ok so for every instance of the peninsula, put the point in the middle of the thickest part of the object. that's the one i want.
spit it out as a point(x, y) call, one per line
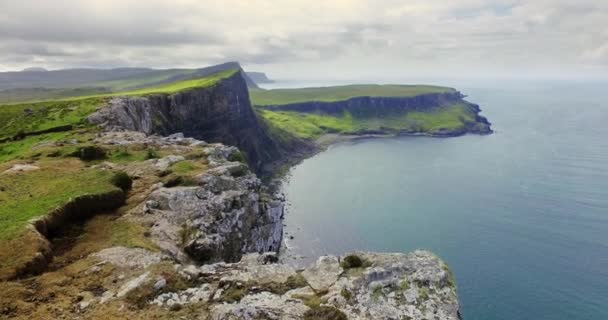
point(146, 203)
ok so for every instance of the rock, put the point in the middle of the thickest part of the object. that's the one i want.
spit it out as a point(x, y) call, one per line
point(218, 113)
point(221, 219)
point(178, 135)
point(21, 168)
point(323, 273)
point(132, 285)
point(235, 169)
point(160, 284)
point(107, 296)
point(128, 257)
point(164, 163)
point(263, 305)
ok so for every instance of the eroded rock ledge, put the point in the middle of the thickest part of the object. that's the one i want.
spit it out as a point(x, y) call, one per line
point(217, 241)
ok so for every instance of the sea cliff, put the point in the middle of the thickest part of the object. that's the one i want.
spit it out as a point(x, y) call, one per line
point(202, 231)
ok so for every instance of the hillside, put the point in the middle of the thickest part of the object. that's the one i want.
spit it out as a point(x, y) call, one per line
point(310, 113)
point(338, 93)
point(58, 84)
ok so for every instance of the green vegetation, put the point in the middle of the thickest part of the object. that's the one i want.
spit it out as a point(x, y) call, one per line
point(337, 93)
point(28, 195)
point(324, 313)
point(122, 180)
point(26, 118)
point(89, 153)
point(313, 125)
point(179, 85)
point(31, 117)
point(352, 261)
point(423, 294)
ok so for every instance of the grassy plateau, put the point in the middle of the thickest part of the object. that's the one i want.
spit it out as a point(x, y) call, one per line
point(314, 124)
point(261, 97)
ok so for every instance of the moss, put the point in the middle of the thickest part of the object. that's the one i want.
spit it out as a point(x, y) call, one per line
point(122, 180)
point(324, 313)
point(189, 167)
point(404, 285)
point(237, 156)
point(89, 153)
point(352, 261)
point(312, 301)
point(451, 279)
point(423, 294)
point(151, 153)
point(376, 293)
point(234, 292)
point(346, 294)
point(141, 296)
point(173, 180)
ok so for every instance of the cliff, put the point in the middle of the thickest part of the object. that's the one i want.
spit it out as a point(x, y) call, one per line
point(435, 114)
point(220, 113)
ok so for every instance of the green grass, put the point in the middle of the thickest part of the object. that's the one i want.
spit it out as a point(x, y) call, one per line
point(150, 82)
point(180, 85)
point(141, 80)
point(30, 117)
point(286, 96)
point(32, 194)
point(313, 125)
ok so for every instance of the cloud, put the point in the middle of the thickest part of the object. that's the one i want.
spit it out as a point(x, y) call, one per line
point(316, 38)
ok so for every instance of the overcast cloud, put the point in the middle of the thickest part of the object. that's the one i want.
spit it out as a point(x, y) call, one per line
point(322, 39)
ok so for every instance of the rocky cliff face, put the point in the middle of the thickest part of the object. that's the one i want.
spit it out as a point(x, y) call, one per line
point(221, 214)
point(220, 113)
point(383, 107)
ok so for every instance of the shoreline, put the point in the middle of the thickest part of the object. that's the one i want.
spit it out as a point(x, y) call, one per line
point(323, 143)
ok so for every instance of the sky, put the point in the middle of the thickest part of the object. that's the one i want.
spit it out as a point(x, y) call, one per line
point(328, 39)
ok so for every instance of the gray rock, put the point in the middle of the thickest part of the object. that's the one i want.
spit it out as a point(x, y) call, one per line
point(21, 168)
point(164, 163)
point(132, 284)
point(323, 273)
point(160, 284)
point(128, 257)
point(263, 305)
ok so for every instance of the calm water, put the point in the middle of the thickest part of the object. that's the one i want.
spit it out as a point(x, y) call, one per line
point(521, 216)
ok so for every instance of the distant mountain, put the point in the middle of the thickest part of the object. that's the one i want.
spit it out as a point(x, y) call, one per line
point(34, 69)
point(40, 84)
point(110, 79)
point(259, 77)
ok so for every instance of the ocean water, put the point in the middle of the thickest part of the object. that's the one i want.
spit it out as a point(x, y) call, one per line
point(521, 216)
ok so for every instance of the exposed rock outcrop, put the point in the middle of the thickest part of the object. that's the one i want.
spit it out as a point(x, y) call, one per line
point(388, 286)
point(220, 113)
point(219, 215)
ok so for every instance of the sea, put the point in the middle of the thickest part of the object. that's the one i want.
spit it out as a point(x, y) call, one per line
point(520, 216)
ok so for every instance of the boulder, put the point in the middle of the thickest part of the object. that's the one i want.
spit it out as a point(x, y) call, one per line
point(323, 273)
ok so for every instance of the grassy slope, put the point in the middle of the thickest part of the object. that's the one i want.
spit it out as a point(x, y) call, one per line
point(313, 125)
point(337, 93)
point(30, 195)
point(28, 117)
point(27, 195)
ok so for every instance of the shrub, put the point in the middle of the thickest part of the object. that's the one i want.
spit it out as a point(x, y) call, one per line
point(236, 156)
point(88, 153)
point(151, 154)
point(122, 180)
point(352, 261)
point(324, 313)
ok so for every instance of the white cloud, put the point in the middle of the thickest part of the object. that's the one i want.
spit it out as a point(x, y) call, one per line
point(311, 38)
